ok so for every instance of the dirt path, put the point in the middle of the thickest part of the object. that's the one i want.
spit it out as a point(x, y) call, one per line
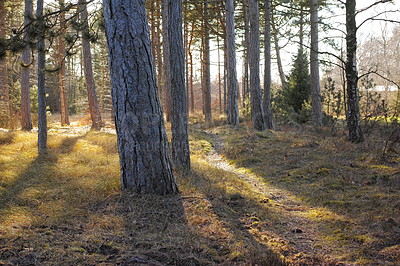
point(295, 229)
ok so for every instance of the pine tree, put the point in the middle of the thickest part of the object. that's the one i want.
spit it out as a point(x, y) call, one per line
point(142, 142)
point(298, 90)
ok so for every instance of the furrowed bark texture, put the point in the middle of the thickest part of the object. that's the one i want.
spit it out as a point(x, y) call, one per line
point(94, 108)
point(267, 73)
point(26, 118)
point(314, 67)
point(179, 123)
point(41, 61)
point(257, 112)
point(142, 142)
point(353, 113)
point(233, 86)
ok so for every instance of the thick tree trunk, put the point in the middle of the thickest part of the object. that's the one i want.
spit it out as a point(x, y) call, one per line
point(267, 72)
point(353, 105)
point(42, 119)
point(167, 67)
point(206, 68)
point(94, 108)
point(257, 112)
point(26, 118)
point(316, 101)
point(4, 90)
point(61, 73)
point(233, 110)
point(179, 123)
point(142, 142)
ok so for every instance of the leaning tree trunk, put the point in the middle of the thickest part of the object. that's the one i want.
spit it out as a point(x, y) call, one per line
point(233, 110)
point(61, 73)
point(314, 67)
point(94, 108)
point(267, 72)
point(257, 112)
point(41, 62)
point(26, 117)
point(4, 91)
point(142, 142)
point(353, 105)
point(179, 122)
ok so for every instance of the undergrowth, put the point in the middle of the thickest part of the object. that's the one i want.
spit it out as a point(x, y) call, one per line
point(265, 198)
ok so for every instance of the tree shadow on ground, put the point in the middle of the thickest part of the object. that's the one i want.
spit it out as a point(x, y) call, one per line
point(351, 202)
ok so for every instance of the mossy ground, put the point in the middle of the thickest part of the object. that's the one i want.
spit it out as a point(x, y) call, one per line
point(267, 198)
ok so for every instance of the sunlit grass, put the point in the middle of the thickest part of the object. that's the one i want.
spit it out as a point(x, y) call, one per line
point(241, 203)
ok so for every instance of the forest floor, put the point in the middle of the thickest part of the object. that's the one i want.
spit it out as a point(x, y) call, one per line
point(286, 197)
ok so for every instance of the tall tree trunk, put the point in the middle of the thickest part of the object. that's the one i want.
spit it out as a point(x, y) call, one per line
point(41, 61)
point(26, 117)
point(233, 110)
point(167, 67)
point(142, 142)
point(353, 105)
point(278, 53)
point(61, 73)
point(267, 72)
point(245, 78)
point(94, 108)
point(179, 122)
point(4, 90)
point(186, 47)
point(257, 112)
point(219, 76)
point(316, 101)
point(191, 77)
point(206, 67)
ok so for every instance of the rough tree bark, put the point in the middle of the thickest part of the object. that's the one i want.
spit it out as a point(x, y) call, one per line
point(61, 73)
point(41, 61)
point(353, 105)
point(314, 66)
point(233, 87)
point(267, 73)
point(94, 108)
point(26, 117)
point(257, 112)
point(142, 142)
point(179, 122)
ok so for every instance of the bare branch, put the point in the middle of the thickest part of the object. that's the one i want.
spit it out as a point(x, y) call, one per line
point(372, 5)
point(374, 18)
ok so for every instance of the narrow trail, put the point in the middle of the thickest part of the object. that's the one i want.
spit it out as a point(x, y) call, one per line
point(295, 229)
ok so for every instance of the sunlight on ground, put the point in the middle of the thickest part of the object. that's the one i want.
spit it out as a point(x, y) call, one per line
point(251, 197)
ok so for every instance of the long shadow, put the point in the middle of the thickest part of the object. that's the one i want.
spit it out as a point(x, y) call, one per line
point(23, 206)
point(305, 169)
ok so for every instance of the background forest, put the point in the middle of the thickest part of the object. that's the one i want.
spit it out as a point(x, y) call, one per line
point(284, 133)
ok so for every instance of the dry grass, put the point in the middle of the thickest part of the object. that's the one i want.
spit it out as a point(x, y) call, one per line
point(67, 208)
